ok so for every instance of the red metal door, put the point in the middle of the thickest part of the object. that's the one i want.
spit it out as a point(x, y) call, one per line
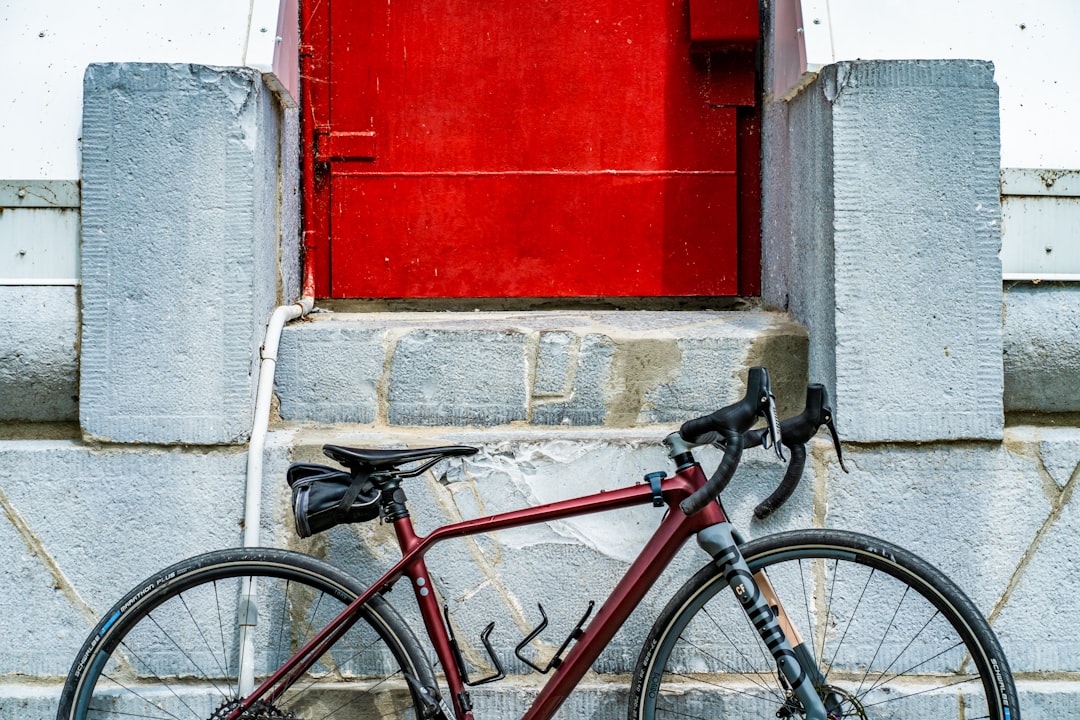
point(543, 148)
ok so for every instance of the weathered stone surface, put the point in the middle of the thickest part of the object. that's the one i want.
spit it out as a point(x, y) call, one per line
point(331, 376)
point(28, 702)
point(1040, 624)
point(457, 377)
point(546, 368)
point(83, 525)
point(1042, 347)
point(92, 522)
point(38, 354)
point(563, 564)
point(586, 364)
point(882, 228)
point(953, 504)
point(1048, 699)
point(155, 226)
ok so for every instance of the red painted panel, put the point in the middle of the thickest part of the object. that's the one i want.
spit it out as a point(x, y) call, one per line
point(749, 202)
point(664, 234)
point(723, 24)
point(548, 148)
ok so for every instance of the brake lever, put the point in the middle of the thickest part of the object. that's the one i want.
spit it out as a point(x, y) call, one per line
point(829, 423)
point(773, 437)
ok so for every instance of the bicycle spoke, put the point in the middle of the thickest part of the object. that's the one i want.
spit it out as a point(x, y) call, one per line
point(851, 617)
point(224, 650)
point(881, 643)
point(763, 686)
point(314, 681)
point(348, 702)
point(168, 686)
point(923, 692)
point(145, 700)
point(187, 656)
point(133, 715)
point(913, 667)
point(769, 698)
point(209, 649)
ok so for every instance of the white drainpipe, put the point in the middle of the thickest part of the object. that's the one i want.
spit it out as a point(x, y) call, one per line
point(263, 394)
point(253, 494)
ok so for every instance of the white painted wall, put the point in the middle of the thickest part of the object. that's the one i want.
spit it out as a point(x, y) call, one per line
point(1032, 46)
point(46, 46)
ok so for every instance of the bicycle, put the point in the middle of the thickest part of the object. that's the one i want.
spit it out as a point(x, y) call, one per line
point(820, 623)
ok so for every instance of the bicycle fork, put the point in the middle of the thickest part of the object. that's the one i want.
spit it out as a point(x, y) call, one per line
point(757, 600)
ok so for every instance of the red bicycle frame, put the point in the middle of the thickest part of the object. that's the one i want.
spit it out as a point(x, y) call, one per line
point(674, 530)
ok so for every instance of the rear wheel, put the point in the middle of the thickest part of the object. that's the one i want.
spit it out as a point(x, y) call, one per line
point(171, 649)
point(891, 636)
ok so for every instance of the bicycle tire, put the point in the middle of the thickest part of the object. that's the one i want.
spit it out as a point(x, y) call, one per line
point(892, 636)
point(169, 648)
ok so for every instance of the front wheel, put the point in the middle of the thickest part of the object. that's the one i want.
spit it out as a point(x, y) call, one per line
point(172, 648)
point(891, 636)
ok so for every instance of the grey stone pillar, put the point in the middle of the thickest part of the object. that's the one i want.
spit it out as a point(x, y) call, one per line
point(882, 229)
point(180, 232)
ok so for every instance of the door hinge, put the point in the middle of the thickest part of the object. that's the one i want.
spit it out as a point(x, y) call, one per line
point(332, 145)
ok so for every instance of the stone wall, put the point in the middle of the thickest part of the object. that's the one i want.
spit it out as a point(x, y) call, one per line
point(558, 403)
point(83, 524)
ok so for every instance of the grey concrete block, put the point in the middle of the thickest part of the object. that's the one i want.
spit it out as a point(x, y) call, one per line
point(1059, 449)
point(28, 702)
point(886, 246)
point(180, 258)
point(83, 525)
point(451, 377)
point(38, 614)
point(573, 378)
point(712, 373)
point(955, 505)
point(1042, 347)
point(292, 251)
point(555, 364)
point(1048, 698)
point(38, 354)
point(1039, 624)
point(596, 698)
point(548, 368)
point(331, 376)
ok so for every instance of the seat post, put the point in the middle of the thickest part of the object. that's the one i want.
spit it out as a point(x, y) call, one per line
point(394, 508)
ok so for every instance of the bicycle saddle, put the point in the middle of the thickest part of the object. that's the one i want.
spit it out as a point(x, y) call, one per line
point(353, 458)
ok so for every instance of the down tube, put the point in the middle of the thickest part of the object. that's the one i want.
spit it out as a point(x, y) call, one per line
point(642, 574)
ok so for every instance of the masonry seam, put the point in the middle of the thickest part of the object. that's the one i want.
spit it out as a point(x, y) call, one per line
point(37, 549)
point(1057, 506)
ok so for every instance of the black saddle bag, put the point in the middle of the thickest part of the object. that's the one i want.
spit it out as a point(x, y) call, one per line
point(323, 497)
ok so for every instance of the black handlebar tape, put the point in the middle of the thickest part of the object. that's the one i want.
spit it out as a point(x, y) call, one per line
point(796, 430)
point(737, 417)
point(756, 437)
point(799, 429)
point(787, 486)
point(704, 495)
point(731, 422)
